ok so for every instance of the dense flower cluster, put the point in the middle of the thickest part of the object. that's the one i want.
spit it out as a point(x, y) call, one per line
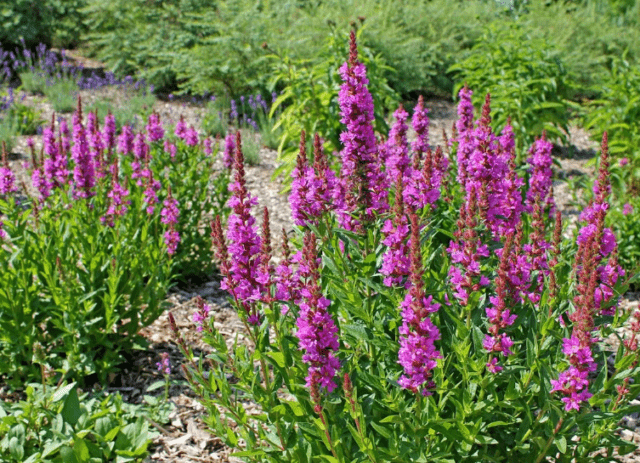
point(362, 181)
point(244, 242)
point(317, 332)
point(417, 355)
point(84, 171)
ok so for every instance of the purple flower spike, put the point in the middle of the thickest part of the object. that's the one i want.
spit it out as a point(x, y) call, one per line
point(418, 355)
point(244, 242)
point(317, 332)
point(155, 131)
point(420, 123)
point(164, 365)
point(362, 181)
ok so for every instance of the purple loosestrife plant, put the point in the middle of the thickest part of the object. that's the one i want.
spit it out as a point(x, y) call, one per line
point(84, 170)
point(317, 332)
point(420, 124)
point(417, 355)
point(362, 180)
point(243, 239)
point(7, 177)
point(395, 261)
point(301, 186)
point(397, 147)
point(493, 319)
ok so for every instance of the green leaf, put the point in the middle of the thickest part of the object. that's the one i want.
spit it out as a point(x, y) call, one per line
point(561, 442)
point(71, 411)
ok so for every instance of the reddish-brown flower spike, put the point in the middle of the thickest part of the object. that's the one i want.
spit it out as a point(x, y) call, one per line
point(353, 49)
point(485, 119)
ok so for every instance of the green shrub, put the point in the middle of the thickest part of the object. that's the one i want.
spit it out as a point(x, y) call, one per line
point(52, 22)
point(526, 80)
point(56, 424)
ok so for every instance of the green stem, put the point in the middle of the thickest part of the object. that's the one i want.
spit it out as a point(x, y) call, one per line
point(549, 442)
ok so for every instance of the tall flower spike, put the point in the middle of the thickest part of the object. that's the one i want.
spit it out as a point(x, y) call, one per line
point(499, 312)
point(7, 177)
point(362, 180)
point(395, 260)
point(417, 355)
point(300, 186)
point(420, 123)
point(287, 285)
point(397, 146)
point(317, 332)
point(84, 171)
point(244, 242)
point(265, 269)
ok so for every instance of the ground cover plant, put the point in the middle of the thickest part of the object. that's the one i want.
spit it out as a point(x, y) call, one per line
point(430, 309)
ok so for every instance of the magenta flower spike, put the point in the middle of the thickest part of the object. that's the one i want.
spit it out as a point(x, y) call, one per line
point(117, 203)
point(541, 175)
point(317, 332)
point(464, 127)
point(420, 124)
point(594, 280)
point(125, 140)
point(155, 131)
point(191, 137)
point(169, 216)
point(362, 180)
point(499, 310)
point(109, 132)
point(397, 146)
point(181, 129)
point(395, 260)
point(229, 150)
point(7, 177)
point(287, 285)
point(84, 171)
point(417, 355)
point(301, 186)
point(243, 241)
